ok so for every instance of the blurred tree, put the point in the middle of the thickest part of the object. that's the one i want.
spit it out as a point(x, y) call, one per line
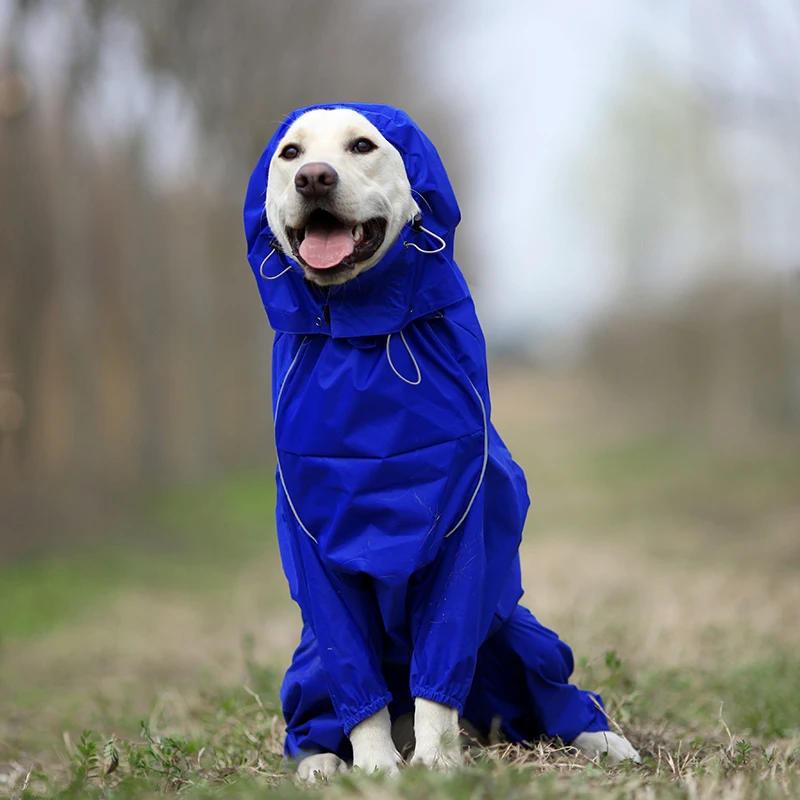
point(25, 250)
point(696, 339)
point(763, 98)
point(246, 63)
point(656, 183)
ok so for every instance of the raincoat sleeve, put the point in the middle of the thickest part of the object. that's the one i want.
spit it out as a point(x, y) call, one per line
point(343, 616)
point(450, 618)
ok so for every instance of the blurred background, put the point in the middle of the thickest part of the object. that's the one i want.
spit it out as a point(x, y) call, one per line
point(629, 175)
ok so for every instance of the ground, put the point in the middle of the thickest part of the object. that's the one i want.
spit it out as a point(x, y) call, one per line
point(670, 564)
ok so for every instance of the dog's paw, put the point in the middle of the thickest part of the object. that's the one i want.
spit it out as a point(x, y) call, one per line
point(437, 735)
point(442, 757)
point(320, 767)
point(387, 762)
point(597, 743)
point(373, 748)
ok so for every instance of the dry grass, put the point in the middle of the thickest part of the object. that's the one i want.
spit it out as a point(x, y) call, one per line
point(688, 617)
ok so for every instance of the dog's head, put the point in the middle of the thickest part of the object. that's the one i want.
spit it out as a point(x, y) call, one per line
point(337, 194)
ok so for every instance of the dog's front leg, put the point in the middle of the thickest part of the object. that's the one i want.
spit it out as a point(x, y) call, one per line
point(373, 748)
point(438, 743)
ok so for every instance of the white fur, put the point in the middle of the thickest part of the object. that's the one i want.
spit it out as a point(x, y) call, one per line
point(370, 185)
point(320, 766)
point(373, 748)
point(593, 745)
point(437, 734)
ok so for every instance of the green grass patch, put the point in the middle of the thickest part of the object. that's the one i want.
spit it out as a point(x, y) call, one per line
point(681, 475)
point(181, 539)
point(760, 698)
point(682, 499)
point(241, 504)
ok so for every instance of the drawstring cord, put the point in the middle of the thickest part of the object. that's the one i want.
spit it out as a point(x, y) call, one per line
point(416, 225)
point(410, 355)
point(271, 277)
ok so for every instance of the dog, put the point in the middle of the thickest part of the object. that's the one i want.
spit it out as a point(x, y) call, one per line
point(400, 510)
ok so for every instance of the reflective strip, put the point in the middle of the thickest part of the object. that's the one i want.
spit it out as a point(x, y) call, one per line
point(277, 451)
point(485, 460)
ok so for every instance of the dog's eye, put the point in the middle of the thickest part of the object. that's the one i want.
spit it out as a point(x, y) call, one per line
point(290, 151)
point(363, 146)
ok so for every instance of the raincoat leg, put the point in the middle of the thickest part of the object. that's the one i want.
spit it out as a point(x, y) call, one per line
point(522, 678)
point(311, 722)
point(452, 608)
point(341, 613)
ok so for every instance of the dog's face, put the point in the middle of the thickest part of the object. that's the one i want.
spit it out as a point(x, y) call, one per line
point(337, 195)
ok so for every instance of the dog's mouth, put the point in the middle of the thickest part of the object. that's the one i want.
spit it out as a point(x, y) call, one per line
point(328, 243)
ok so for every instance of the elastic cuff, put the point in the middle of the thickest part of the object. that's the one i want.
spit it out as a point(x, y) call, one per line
point(365, 713)
point(600, 720)
point(438, 697)
point(591, 718)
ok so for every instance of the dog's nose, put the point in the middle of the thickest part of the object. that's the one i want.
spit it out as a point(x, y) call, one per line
point(315, 179)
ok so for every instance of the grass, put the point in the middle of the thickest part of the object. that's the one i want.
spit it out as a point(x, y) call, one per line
point(670, 566)
point(181, 549)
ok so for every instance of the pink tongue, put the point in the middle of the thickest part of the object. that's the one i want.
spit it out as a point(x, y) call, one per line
point(324, 248)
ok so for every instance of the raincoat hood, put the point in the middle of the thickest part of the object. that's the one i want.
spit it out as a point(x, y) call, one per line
point(404, 286)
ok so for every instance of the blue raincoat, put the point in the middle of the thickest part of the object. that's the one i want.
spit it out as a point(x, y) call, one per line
point(399, 510)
